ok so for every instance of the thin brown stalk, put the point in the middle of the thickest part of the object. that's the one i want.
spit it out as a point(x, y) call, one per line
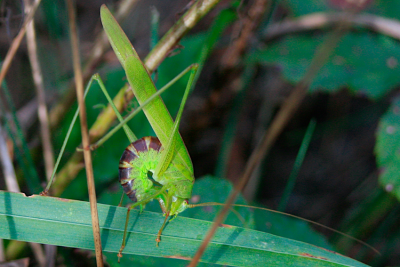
point(42, 109)
point(287, 110)
point(43, 116)
point(84, 130)
point(2, 254)
point(155, 57)
point(97, 52)
point(15, 43)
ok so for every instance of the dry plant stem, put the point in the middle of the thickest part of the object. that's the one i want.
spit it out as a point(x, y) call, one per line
point(12, 186)
point(314, 21)
point(249, 24)
point(42, 109)
point(156, 56)
point(43, 116)
point(16, 42)
point(285, 113)
point(84, 130)
point(100, 46)
point(2, 254)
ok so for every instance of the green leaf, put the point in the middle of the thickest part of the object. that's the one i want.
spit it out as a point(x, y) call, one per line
point(278, 224)
point(366, 63)
point(387, 149)
point(205, 189)
point(212, 189)
point(67, 223)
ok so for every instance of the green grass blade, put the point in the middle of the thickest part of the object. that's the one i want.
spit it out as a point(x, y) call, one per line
point(297, 164)
point(67, 223)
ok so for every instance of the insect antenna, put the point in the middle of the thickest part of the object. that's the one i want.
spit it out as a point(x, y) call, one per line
point(289, 215)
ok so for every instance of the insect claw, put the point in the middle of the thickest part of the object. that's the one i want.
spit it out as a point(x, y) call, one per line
point(120, 253)
point(93, 147)
point(44, 192)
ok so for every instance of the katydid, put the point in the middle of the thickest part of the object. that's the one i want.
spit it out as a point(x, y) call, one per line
point(172, 168)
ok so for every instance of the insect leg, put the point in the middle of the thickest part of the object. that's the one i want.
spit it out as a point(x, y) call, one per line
point(147, 199)
point(136, 111)
point(122, 198)
point(169, 148)
point(88, 86)
point(168, 210)
point(158, 239)
point(131, 136)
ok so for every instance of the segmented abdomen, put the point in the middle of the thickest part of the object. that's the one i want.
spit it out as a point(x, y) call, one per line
point(138, 158)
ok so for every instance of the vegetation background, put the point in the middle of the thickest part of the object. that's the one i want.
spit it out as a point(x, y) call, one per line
point(349, 178)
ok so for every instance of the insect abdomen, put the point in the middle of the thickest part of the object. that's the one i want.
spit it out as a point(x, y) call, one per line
point(138, 158)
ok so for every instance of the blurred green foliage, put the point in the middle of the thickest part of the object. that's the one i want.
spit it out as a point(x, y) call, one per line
point(365, 62)
point(387, 149)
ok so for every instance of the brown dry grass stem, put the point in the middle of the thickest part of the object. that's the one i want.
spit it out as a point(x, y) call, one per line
point(155, 57)
point(42, 114)
point(84, 130)
point(39, 86)
point(287, 110)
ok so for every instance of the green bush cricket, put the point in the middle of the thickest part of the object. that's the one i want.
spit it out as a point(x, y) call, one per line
point(172, 168)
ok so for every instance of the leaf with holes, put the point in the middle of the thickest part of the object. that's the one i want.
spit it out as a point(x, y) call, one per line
point(387, 149)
